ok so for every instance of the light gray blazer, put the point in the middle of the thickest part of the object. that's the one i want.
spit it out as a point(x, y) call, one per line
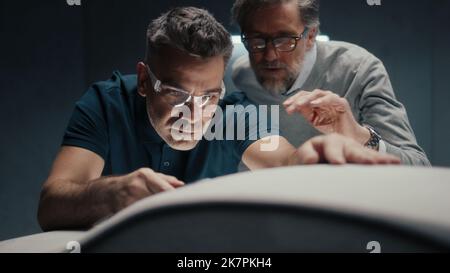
point(351, 72)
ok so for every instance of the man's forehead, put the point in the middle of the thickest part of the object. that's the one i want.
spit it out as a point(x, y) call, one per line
point(178, 60)
point(191, 73)
point(186, 78)
point(276, 19)
point(208, 68)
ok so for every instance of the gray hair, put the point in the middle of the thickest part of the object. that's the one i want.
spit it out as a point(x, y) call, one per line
point(308, 9)
point(191, 30)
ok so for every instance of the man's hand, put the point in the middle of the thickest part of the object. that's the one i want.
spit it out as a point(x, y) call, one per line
point(332, 148)
point(337, 149)
point(328, 113)
point(139, 184)
point(76, 196)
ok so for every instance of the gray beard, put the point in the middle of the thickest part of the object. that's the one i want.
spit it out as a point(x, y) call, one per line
point(275, 86)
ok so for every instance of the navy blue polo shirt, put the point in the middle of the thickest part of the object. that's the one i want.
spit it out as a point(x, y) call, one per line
point(111, 120)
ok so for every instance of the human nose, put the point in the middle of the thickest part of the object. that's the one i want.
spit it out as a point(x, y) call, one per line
point(195, 107)
point(270, 52)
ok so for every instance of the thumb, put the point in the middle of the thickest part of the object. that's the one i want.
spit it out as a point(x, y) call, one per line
point(172, 180)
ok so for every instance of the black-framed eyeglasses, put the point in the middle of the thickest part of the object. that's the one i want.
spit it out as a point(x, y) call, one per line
point(282, 43)
point(178, 97)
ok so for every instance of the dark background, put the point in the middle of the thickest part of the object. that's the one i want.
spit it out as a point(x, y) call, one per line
point(51, 52)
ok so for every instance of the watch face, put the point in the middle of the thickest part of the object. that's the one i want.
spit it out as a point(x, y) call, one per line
point(374, 140)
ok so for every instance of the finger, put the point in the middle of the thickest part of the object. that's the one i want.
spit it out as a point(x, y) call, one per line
point(318, 118)
point(312, 117)
point(391, 159)
point(154, 182)
point(308, 154)
point(360, 155)
point(169, 177)
point(297, 96)
point(304, 101)
point(302, 95)
point(333, 150)
point(368, 156)
point(175, 182)
point(380, 158)
point(332, 100)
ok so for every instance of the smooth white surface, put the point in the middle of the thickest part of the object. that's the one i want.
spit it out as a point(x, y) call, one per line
point(393, 193)
point(50, 242)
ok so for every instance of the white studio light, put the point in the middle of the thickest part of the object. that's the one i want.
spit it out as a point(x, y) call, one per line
point(323, 38)
point(236, 39)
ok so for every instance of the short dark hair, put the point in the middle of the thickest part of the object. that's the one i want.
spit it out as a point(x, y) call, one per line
point(309, 10)
point(191, 30)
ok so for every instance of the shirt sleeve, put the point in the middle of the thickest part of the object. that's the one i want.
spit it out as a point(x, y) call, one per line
point(382, 148)
point(87, 127)
point(379, 108)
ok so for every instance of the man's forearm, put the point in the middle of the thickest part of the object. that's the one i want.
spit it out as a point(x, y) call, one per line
point(68, 204)
point(73, 205)
point(255, 157)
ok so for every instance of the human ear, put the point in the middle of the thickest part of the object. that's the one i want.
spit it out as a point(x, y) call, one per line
point(311, 38)
point(142, 78)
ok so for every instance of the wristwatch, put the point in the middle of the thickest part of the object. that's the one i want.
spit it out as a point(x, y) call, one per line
point(374, 140)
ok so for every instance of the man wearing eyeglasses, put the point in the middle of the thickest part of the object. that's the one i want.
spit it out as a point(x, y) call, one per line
point(336, 87)
point(121, 145)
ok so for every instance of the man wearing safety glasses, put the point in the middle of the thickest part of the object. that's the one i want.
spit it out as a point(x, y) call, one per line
point(336, 87)
point(121, 145)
